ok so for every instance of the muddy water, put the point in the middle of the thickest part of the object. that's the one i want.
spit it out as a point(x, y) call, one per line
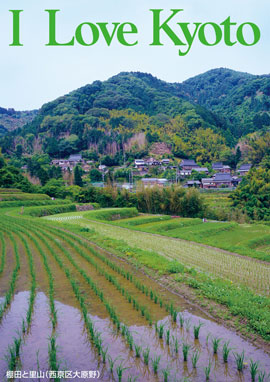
point(11, 325)
point(76, 353)
point(35, 346)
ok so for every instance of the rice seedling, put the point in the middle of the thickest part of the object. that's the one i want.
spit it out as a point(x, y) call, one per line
point(196, 330)
point(132, 379)
point(11, 358)
point(185, 350)
point(23, 327)
point(155, 364)
point(176, 344)
point(130, 341)
point(195, 358)
point(207, 370)
point(104, 354)
point(166, 374)
point(160, 329)
point(111, 363)
point(137, 351)
point(239, 359)
point(225, 351)
point(119, 371)
point(17, 346)
point(215, 343)
point(174, 316)
point(253, 366)
point(188, 324)
point(123, 329)
point(262, 376)
point(146, 353)
point(168, 337)
point(52, 354)
point(181, 320)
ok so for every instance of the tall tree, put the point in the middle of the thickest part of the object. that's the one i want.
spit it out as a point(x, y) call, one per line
point(77, 177)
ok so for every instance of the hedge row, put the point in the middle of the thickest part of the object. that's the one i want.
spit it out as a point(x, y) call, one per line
point(47, 210)
point(112, 214)
point(30, 203)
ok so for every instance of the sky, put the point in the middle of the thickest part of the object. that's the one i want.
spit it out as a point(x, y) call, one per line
point(34, 73)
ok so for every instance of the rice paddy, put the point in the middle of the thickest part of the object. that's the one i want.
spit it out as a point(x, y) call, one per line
point(67, 306)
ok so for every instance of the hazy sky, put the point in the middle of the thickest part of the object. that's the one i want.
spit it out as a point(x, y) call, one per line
point(34, 74)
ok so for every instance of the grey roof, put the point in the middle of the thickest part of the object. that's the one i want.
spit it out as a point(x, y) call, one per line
point(217, 165)
point(223, 178)
point(188, 162)
point(201, 169)
point(194, 182)
point(75, 157)
point(245, 167)
point(207, 180)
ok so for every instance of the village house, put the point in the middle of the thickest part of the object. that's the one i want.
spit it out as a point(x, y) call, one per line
point(68, 164)
point(219, 167)
point(152, 162)
point(244, 169)
point(201, 170)
point(221, 179)
point(139, 163)
point(165, 162)
point(208, 183)
point(188, 164)
point(192, 183)
point(185, 173)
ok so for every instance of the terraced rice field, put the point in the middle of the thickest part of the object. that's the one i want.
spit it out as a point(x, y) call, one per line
point(239, 269)
point(68, 308)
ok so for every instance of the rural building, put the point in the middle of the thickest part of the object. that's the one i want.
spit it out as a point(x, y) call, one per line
point(185, 173)
point(208, 183)
point(165, 161)
point(221, 179)
point(139, 163)
point(152, 162)
point(76, 158)
point(188, 164)
point(219, 167)
point(192, 183)
point(244, 169)
point(201, 169)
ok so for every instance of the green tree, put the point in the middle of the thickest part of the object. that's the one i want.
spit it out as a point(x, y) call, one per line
point(77, 177)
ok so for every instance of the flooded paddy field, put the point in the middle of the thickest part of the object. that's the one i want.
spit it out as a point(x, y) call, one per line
point(67, 307)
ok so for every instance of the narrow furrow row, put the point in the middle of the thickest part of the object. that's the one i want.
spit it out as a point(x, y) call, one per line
point(120, 288)
point(124, 330)
point(11, 290)
point(3, 253)
point(153, 296)
point(53, 363)
point(15, 349)
point(121, 328)
point(94, 334)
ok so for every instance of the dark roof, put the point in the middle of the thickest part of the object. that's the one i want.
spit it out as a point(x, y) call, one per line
point(245, 167)
point(75, 157)
point(223, 178)
point(217, 165)
point(188, 162)
point(194, 182)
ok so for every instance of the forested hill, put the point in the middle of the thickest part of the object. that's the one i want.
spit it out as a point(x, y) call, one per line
point(11, 119)
point(242, 98)
point(201, 118)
